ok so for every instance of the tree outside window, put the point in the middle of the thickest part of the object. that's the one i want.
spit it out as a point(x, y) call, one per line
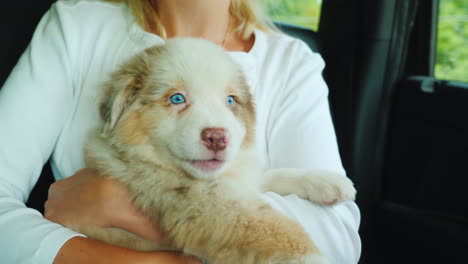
point(305, 13)
point(452, 41)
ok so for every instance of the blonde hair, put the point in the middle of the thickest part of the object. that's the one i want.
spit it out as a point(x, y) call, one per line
point(247, 14)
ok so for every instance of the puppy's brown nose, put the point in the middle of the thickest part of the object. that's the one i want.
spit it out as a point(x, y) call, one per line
point(215, 139)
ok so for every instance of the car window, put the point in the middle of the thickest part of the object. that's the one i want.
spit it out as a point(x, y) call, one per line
point(452, 41)
point(305, 13)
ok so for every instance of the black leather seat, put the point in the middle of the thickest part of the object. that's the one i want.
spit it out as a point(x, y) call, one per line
point(310, 37)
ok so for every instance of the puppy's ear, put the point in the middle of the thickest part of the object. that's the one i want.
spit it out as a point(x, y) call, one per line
point(113, 107)
point(122, 90)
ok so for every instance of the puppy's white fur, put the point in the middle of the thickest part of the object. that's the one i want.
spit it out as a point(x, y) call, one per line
point(205, 200)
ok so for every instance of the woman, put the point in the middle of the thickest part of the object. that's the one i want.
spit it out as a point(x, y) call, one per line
point(47, 107)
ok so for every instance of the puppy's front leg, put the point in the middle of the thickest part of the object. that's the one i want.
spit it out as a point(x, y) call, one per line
point(227, 225)
point(319, 186)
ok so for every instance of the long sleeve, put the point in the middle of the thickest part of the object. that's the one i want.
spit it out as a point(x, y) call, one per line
point(302, 136)
point(34, 105)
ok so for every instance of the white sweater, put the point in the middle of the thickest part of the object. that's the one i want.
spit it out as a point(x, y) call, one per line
point(48, 105)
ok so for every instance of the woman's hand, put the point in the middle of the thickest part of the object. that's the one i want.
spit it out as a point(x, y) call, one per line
point(86, 199)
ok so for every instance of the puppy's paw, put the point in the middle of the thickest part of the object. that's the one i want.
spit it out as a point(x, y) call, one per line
point(319, 186)
point(328, 188)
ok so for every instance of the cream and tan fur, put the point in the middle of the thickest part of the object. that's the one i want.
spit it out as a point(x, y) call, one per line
point(202, 188)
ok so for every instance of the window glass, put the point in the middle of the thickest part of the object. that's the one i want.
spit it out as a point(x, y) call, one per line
point(305, 13)
point(452, 41)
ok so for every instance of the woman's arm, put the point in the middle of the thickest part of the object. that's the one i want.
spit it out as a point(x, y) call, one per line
point(82, 250)
point(34, 104)
point(302, 136)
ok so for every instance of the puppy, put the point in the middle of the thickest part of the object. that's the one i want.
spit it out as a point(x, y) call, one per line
point(178, 125)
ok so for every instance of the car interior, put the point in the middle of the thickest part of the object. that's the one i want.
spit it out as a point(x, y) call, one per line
point(402, 132)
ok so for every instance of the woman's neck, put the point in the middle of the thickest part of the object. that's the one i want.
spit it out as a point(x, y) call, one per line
point(208, 19)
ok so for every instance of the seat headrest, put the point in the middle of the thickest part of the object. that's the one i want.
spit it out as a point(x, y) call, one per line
point(309, 36)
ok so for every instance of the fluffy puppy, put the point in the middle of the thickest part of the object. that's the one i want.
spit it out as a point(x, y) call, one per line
point(177, 129)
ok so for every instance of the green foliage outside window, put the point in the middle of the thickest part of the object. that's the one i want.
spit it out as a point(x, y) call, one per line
point(305, 13)
point(452, 41)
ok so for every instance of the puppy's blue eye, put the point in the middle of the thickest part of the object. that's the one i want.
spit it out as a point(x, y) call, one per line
point(177, 99)
point(230, 100)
